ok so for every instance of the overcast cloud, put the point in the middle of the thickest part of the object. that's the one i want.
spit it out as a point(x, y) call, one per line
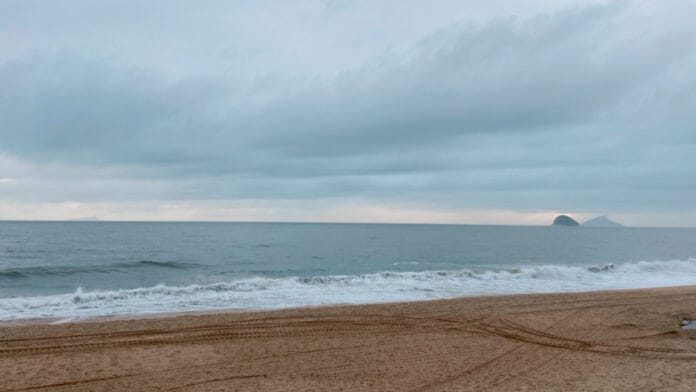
point(406, 111)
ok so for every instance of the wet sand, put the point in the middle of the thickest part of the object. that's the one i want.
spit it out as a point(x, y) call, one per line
point(620, 340)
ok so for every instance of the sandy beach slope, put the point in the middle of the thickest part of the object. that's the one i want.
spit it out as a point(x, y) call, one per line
point(623, 340)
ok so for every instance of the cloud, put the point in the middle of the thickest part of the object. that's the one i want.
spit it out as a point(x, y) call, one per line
point(581, 107)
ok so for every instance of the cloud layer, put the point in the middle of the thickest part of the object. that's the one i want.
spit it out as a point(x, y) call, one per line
point(581, 106)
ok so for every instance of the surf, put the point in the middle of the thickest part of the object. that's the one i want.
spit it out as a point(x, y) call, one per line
point(260, 293)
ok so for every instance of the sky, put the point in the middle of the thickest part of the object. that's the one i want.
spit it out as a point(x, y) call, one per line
point(440, 111)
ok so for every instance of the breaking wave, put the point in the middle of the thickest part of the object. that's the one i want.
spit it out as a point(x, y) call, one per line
point(273, 293)
point(40, 271)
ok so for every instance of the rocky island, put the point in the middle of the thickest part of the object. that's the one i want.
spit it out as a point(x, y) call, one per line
point(601, 221)
point(565, 220)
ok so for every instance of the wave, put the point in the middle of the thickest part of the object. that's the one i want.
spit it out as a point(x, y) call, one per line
point(387, 286)
point(153, 263)
point(42, 271)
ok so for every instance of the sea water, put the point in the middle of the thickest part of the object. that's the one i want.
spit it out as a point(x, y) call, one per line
point(83, 269)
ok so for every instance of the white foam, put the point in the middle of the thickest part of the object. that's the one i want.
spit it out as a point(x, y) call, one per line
point(272, 293)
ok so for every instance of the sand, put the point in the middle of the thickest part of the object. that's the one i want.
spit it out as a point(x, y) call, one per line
point(621, 340)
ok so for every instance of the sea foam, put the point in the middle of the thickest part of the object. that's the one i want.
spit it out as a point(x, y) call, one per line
point(272, 293)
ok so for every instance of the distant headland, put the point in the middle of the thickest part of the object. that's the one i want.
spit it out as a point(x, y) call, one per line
point(601, 221)
point(84, 219)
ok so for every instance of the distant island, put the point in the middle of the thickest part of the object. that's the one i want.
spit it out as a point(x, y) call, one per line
point(565, 220)
point(601, 221)
point(84, 219)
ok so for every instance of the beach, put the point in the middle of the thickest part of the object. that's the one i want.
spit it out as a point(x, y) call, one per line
point(608, 340)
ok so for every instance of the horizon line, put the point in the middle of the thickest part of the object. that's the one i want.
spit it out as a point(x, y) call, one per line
point(319, 222)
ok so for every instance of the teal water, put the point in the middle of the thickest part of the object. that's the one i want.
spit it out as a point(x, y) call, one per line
point(76, 269)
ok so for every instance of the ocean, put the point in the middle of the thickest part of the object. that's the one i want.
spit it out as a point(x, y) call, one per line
point(68, 270)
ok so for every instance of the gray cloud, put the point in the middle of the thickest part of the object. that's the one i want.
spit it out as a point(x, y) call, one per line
point(587, 107)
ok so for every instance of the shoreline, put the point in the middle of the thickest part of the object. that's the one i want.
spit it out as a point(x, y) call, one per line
point(602, 340)
point(194, 313)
